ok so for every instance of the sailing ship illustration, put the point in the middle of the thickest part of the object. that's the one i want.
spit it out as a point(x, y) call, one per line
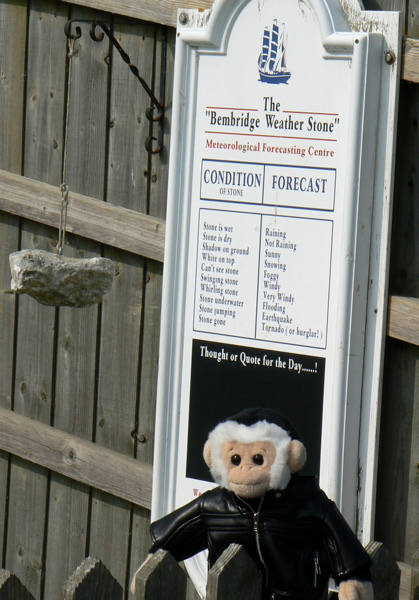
point(272, 67)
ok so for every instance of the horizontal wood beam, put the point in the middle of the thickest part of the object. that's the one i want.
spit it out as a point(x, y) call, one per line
point(156, 11)
point(403, 319)
point(100, 221)
point(410, 60)
point(78, 459)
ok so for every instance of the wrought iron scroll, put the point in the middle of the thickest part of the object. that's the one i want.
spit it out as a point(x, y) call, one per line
point(155, 112)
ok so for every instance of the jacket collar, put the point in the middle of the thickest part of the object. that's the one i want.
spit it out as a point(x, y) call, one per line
point(300, 487)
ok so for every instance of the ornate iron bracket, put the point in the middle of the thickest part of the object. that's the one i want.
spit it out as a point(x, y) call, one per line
point(155, 112)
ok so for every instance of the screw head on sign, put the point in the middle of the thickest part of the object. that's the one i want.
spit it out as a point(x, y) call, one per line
point(183, 18)
point(389, 57)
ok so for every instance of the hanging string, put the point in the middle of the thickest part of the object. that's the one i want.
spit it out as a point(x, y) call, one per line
point(63, 217)
point(64, 187)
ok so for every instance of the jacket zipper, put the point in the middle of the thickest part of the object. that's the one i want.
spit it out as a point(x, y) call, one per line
point(317, 569)
point(256, 516)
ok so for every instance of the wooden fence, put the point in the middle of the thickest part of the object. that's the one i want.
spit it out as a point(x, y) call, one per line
point(233, 576)
point(78, 386)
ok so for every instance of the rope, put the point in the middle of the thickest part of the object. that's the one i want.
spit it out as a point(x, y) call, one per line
point(64, 187)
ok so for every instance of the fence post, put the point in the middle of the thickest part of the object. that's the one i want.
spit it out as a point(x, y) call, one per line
point(11, 588)
point(92, 581)
point(385, 573)
point(160, 578)
point(234, 576)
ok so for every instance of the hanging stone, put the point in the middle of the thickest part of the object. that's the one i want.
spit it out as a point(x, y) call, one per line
point(56, 280)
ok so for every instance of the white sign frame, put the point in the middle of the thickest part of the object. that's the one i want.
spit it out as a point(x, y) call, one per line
point(372, 42)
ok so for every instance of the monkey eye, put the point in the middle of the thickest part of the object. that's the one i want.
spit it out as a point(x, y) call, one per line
point(236, 459)
point(258, 459)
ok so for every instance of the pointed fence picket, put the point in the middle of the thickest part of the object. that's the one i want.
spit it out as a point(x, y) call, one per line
point(233, 577)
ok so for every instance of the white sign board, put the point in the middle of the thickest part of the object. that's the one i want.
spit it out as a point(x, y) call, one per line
point(278, 224)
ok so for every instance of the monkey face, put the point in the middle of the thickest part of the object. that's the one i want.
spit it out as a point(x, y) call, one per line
point(248, 467)
point(250, 459)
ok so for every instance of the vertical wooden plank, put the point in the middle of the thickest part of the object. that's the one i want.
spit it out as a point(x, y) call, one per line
point(397, 465)
point(164, 65)
point(45, 92)
point(36, 326)
point(404, 261)
point(161, 577)
point(33, 389)
point(385, 574)
point(43, 160)
point(234, 575)
point(13, 23)
point(12, 73)
point(122, 308)
point(157, 179)
point(33, 397)
point(69, 502)
point(164, 61)
point(413, 19)
point(163, 89)
point(414, 587)
point(412, 524)
point(88, 110)
point(76, 340)
point(128, 127)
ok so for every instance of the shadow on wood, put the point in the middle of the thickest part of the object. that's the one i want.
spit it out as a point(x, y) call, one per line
point(385, 573)
point(11, 588)
point(162, 578)
point(414, 590)
point(92, 580)
point(234, 576)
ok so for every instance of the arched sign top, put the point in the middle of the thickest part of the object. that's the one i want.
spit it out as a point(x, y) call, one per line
point(209, 29)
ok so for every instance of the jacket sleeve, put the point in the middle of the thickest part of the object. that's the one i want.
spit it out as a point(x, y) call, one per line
point(347, 556)
point(181, 532)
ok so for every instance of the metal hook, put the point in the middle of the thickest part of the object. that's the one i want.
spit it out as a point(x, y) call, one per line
point(93, 35)
point(154, 113)
point(149, 144)
point(67, 30)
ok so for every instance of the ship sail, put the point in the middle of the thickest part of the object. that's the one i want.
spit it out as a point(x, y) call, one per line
point(274, 48)
point(263, 57)
point(280, 61)
point(271, 62)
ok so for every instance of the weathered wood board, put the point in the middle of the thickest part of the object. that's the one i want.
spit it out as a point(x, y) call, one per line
point(33, 376)
point(75, 458)
point(119, 351)
point(163, 11)
point(70, 371)
point(12, 18)
point(157, 185)
point(87, 217)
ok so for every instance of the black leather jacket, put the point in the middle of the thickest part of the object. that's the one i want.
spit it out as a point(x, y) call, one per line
point(297, 537)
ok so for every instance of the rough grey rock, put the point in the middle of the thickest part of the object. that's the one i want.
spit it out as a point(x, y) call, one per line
point(56, 280)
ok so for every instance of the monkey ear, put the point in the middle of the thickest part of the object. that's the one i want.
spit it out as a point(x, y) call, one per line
point(296, 456)
point(207, 454)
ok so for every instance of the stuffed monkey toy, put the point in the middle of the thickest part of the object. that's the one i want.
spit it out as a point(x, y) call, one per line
point(286, 523)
